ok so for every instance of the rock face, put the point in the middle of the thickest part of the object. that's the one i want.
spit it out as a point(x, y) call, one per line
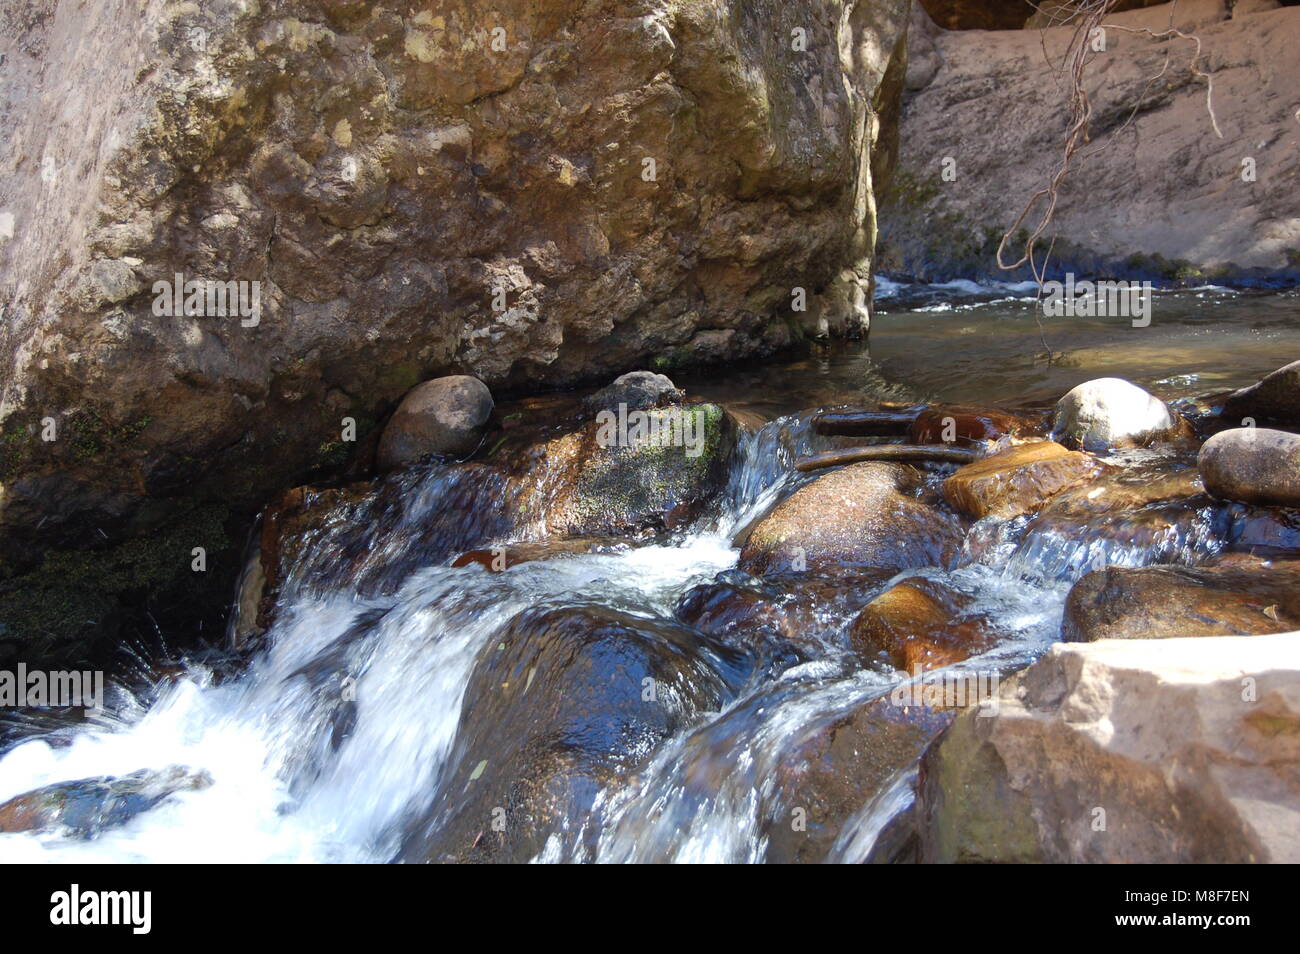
point(1252, 465)
point(857, 517)
point(533, 194)
point(1274, 400)
point(1110, 412)
point(446, 416)
point(1018, 480)
point(1200, 214)
point(1147, 751)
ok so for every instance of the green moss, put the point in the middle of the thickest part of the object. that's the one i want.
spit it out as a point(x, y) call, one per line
point(75, 597)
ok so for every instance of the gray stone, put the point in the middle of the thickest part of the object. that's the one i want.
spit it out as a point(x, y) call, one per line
point(445, 416)
point(1252, 465)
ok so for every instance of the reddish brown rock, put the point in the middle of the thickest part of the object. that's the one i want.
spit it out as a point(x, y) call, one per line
point(919, 625)
point(1018, 480)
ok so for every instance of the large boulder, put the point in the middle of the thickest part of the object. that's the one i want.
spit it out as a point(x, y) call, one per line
point(1110, 412)
point(1252, 465)
point(1131, 751)
point(537, 194)
point(1165, 602)
point(446, 417)
point(1018, 480)
point(859, 517)
point(1274, 399)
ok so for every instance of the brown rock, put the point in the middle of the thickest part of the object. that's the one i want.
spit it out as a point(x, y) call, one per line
point(965, 425)
point(859, 517)
point(1253, 465)
point(1165, 602)
point(1018, 480)
point(839, 767)
point(918, 625)
point(446, 416)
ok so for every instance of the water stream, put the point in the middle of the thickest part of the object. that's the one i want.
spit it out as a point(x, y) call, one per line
point(301, 771)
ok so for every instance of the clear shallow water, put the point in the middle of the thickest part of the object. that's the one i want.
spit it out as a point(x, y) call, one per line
point(285, 789)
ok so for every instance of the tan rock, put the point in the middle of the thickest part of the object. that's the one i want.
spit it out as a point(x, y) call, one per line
point(918, 625)
point(1142, 751)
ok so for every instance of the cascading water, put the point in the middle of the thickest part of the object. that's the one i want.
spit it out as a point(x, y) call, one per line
point(358, 732)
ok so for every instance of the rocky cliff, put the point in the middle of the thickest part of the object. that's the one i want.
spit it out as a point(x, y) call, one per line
point(1156, 192)
point(538, 193)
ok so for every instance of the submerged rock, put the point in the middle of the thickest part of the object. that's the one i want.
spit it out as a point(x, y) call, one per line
point(945, 424)
point(1018, 480)
point(562, 703)
point(1166, 602)
point(836, 770)
point(1141, 751)
point(445, 417)
point(858, 517)
point(1275, 399)
point(88, 806)
point(918, 625)
point(1252, 465)
point(1110, 412)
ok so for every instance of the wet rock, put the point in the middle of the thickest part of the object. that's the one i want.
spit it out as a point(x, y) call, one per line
point(837, 769)
point(1110, 412)
point(1018, 480)
point(1275, 399)
point(1167, 602)
point(795, 617)
point(1135, 751)
point(636, 390)
point(946, 424)
point(88, 806)
point(918, 625)
point(1252, 465)
point(444, 417)
point(564, 702)
point(500, 558)
point(858, 517)
point(1266, 531)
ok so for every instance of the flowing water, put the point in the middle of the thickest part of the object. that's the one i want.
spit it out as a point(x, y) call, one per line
point(300, 771)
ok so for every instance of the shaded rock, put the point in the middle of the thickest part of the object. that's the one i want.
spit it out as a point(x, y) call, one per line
point(1141, 751)
point(1266, 531)
point(859, 517)
point(1110, 412)
point(1167, 602)
point(562, 703)
point(636, 390)
point(1253, 465)
point(1018, 480)
point(833, 772)
point(90, 805)
point(445, 416)
point(1275, 399)
point(918, 625)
